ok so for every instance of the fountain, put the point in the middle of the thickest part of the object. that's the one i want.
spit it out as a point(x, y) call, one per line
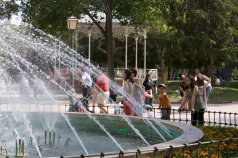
point(31, 122)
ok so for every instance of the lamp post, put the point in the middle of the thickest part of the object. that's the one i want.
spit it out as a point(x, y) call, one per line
point(145, 36)
point(72, 22)
point(89, 45)
point(126, 35)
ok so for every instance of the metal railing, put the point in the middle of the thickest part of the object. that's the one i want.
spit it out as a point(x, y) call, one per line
point(210, 149)
point(210, 117)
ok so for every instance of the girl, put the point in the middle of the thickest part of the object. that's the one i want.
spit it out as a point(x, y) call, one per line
point(195, 101)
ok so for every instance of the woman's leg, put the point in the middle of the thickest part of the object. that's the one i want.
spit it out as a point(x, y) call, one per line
point(201, 116)
point(102, 98)
point(194, 116)
point(102, 109)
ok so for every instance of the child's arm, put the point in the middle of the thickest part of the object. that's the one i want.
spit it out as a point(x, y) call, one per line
point(149, 94)
point(125, 85)
point(183, 101)
point(207, 79)
point(160, 102)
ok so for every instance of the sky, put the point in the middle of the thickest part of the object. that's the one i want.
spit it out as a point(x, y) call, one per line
point(16, 20)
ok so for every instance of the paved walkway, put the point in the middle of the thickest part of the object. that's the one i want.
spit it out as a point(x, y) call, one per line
point(42, 104)
point(224, 107)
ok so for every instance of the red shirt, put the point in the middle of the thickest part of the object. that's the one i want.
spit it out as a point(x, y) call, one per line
point(102, 83)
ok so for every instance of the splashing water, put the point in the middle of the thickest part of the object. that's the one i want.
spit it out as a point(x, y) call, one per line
point(31, 63)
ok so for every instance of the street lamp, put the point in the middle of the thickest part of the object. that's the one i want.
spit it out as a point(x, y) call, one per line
point(89, 45)
point(145, 36)
point(72, 22)
point(126, 35)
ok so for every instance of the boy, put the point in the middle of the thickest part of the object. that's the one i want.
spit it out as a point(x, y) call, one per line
point(164, 103)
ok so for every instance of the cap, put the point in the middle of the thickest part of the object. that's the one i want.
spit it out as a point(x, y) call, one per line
point(162, 85)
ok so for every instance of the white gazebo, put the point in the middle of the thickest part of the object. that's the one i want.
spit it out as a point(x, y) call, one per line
point(92, 31)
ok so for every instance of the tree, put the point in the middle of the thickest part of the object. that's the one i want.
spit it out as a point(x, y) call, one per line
point(205, 28)
point(183, 33)
point(7, 9)
point(37, 13)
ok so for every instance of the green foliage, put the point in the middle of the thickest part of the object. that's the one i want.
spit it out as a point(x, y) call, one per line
point(204, 28)
point(182, 33)
point(8, 8)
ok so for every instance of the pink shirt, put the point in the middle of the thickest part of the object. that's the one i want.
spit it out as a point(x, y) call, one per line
point(102, 83)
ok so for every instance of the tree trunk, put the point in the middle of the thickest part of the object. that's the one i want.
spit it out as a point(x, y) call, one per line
point(228, 71)
point(109, 39)
point(164, 69)
point(212, 68)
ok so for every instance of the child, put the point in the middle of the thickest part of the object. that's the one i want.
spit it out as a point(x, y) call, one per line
point(146, 94)
point(164, 103)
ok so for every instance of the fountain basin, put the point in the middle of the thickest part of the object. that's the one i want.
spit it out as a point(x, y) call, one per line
point(50, 134)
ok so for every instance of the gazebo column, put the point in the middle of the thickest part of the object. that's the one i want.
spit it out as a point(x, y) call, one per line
point(136, 40)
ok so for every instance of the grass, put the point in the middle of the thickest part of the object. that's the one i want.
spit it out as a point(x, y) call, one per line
point(226, 93)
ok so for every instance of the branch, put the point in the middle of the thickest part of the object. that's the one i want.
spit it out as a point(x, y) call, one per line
point(95, 22)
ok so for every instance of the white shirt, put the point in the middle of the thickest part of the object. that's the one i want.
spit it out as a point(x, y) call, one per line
point(87, 79)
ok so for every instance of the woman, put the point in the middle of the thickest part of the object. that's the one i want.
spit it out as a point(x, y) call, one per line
point(137, 93)
point(204, 84)
point(148, 84)
point(182, 89)
point(128, 87)
point(101, 92)
point(195, 101)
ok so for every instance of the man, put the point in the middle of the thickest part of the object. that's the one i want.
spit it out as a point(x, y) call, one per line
point(102, 93)
point(86, 84)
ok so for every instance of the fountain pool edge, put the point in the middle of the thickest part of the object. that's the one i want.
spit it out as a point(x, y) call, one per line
point(189, 134)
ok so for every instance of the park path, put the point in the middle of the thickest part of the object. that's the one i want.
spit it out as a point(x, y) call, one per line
point(61, 104)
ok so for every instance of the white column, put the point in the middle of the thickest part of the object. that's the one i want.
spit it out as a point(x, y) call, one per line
point(73, 71)
point(89, 45)
point(145, 36)
point(59, 55)
point(73, 47)
point(126, 35)
point(136, 39)
point(55, 49)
